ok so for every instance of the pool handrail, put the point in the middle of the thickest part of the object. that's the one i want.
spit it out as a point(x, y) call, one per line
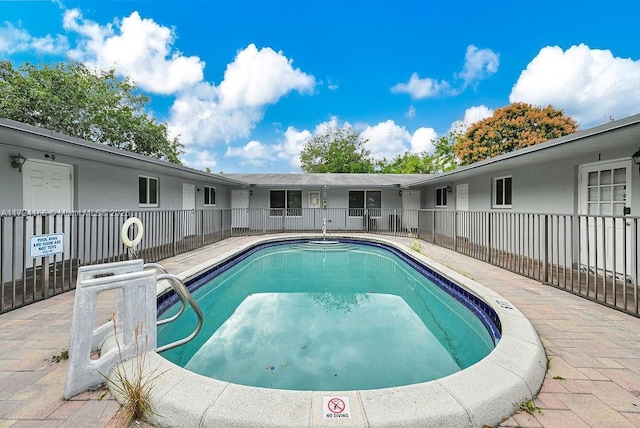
point(185, 296)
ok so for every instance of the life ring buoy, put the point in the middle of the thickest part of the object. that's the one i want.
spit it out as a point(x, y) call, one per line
point(125, 232)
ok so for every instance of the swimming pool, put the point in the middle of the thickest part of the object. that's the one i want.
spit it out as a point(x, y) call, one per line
point(329, 315)
point(482, 394)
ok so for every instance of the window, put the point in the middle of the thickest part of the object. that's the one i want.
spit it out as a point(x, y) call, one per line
point(361, 199)
point(502, 192)
point(285, 202)
point(441, 197)
point(147, 191)
point(209, 196)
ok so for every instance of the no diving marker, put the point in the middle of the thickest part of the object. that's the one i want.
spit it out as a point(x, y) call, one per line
point(336, 408)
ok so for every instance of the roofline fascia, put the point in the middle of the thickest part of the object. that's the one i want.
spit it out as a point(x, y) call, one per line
point(42, 132)
point(587, 133)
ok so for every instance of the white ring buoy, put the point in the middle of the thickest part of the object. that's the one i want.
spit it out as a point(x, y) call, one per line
point(125, 232)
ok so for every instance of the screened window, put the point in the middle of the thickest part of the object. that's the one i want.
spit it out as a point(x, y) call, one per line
point(285, 202)
point(502, 192)
point(361, 199)
point(441, 197)
point(147, 191)
point(209, 196)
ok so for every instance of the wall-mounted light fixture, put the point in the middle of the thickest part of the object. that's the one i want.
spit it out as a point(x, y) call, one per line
point(400, 193)
point(325, 187)
point(198, 189)
point(636, 158)
point(449, 188)
point(250, 192)
point(18, 161)
point(48, 156)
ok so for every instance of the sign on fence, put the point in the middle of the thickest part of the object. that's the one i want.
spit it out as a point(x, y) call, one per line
point(46, 245)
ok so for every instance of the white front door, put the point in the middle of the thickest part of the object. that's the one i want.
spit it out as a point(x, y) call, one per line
point(605, 190)
point(189, 207)
point(47, 186)
point(239, 208)
point(462, 205)
point(410, 205)
point(462, 197)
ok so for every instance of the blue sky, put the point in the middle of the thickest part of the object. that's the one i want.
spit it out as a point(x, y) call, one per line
point(245, 83)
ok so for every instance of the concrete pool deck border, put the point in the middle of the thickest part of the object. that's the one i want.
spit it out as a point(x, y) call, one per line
point(484, 394)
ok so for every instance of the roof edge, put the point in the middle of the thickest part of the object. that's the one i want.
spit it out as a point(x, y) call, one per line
point(46, 133)
point(566, 139)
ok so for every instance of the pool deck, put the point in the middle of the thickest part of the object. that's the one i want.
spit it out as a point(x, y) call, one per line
point(593, 381)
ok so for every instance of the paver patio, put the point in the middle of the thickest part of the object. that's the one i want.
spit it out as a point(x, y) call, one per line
point(594, 352)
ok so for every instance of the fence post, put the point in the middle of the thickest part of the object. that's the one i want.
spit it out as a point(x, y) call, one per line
point(489, 242)
point(545, 258)
point(202, 225)
point(45, 261)
point(433, 226)
point(455, 231)
point(175, 233)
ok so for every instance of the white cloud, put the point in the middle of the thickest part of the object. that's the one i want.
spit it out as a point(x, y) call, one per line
point(421, 88)
point(256, 78)
point(202, 159)
point(588, 84)
point(478, 65)
point(471, 115)
point(260, 77)
point(253, 153)
point(386, 139)
point(16, 39)
point(136, 47)
point(411, 113)
point(293, 144)
point(422, 140)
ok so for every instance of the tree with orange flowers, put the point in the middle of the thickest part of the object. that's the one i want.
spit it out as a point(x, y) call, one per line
point(510, 128)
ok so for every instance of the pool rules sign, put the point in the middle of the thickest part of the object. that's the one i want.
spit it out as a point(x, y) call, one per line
point(46, 245)
point(336, 408)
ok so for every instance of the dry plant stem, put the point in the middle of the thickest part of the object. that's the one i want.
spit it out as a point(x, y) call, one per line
point(135, 388)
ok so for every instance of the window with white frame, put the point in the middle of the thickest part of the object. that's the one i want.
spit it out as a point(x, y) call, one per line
point(441, 197)
point(209, 196)
point(359, 200)
point(502, 192)
point(147, 191)
point(285, 202)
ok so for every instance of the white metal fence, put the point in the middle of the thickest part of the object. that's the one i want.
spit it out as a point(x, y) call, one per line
point(593, 256)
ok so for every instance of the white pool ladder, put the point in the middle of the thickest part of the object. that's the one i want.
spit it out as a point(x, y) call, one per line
point(135, 323)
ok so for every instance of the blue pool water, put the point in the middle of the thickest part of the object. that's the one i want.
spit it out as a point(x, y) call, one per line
point(328, 317)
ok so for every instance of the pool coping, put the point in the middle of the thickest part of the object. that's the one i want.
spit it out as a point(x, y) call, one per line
point(483, 394)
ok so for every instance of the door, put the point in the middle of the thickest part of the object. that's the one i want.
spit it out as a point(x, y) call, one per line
point(410, 206)
point(605, 192)
point(462, 206)
point(189, 207)
point(240, 209)
point(47, 189)
point(47, 186)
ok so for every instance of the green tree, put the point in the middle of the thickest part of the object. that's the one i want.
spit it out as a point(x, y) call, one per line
point(513, 127)
point(442, 159)
point(93, 105)
point(336, 150)
point(406, 163)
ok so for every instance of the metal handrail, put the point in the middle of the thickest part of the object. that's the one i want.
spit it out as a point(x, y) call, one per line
point(183, 305)
point(185, 296)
